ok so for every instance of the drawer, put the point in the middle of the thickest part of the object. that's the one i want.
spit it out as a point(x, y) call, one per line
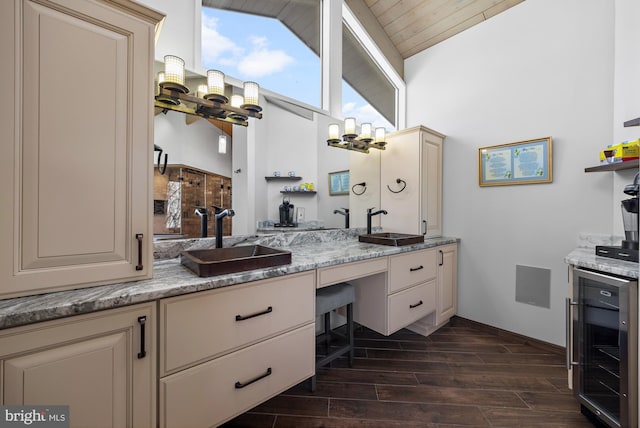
point(200, 326)
point(408, 306)
point(345, 272)
point(208, 394)
point(411, 268)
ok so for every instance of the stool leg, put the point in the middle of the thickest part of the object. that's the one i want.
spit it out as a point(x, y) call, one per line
point(313, 383)
point(350, 332)
point(327, 330)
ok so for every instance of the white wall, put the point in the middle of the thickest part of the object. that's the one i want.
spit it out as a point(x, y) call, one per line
point(626, 91)
point(194, 145)
point(542, 68)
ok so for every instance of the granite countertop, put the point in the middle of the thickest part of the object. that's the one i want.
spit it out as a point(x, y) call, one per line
point(586, 257)
point(309, 250)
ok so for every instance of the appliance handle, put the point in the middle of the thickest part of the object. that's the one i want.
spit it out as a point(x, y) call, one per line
point(568, 347)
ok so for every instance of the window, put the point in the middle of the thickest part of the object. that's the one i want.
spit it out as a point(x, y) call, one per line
point(367, 94)
point(275, 43)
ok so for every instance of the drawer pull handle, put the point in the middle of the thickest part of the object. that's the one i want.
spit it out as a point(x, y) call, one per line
point(441, 258)
point(139, 237)
point(240, 385)
point(416, 268)
point(257, 314)
point(142, 321)
point(416, 305)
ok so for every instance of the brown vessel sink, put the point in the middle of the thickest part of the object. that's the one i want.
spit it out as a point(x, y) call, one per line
point(220, 261)
point(392, 239)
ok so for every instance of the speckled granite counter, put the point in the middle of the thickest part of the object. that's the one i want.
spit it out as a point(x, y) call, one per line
point(586, 257)
point(310, 250)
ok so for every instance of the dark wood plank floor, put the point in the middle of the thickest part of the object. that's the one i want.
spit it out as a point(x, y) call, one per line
point(463, 375)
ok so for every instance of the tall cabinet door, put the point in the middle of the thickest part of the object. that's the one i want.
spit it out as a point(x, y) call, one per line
point(413, 156)
point(401, 161)
point(431, 184)
point(447, 283)
point(77, 165)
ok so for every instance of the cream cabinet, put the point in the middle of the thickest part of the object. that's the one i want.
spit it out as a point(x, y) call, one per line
point(447, 293)
point(387, 302)
point(419, 292)
point(226, 350)
point(77, 121)
point(101, 365)
point(446, 257)
point(411, 182)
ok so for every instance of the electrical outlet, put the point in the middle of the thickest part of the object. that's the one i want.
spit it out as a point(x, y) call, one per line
point(300, 215)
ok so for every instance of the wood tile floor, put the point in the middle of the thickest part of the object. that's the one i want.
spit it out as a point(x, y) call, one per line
point(463, 375)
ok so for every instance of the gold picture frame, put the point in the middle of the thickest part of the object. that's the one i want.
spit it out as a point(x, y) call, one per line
point(522, 162)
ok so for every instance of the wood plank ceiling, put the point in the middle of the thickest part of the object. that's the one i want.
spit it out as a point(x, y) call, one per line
point(415, 25)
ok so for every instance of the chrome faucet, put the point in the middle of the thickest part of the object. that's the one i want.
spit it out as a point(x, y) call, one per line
point(220, 214)
point(345, 213)
point(371, 214)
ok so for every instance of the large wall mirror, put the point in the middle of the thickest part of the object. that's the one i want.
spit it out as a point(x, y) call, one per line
point(291, 136)
point(287, 140)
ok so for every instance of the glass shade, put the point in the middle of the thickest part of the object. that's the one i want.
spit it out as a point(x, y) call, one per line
point(251, 93)
point(215, 82)
point(365, 131)
point(334, 131)
point(202, 91)
point(237, 100)
point(350, 126)
point(222, 144)
point(380, 135)
point(174, 69)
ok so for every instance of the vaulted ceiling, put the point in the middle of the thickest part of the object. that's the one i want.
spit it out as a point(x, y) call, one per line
point(415, 25)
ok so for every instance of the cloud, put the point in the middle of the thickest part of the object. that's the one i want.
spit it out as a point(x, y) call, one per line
point(216, 48)
point(254, 61)
point(365, 113)
point(262, 61)
point(348, 107)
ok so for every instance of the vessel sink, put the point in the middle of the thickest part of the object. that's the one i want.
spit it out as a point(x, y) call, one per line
point(392, 239)
point(220, 261)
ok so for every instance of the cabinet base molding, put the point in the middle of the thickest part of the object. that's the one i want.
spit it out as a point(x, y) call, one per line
point(427, 325)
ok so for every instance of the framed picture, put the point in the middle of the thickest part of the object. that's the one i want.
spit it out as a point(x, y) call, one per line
point(339, 183)
point(524, 162)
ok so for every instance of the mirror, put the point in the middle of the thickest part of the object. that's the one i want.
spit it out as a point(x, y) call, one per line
point(289, 138)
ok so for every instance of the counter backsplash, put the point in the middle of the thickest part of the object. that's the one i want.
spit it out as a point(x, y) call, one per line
point(169, 249)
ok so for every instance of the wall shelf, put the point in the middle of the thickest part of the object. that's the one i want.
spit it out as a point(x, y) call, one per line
point(300, 192)
point(632, 122)
point(282, 178)
point(614, 166)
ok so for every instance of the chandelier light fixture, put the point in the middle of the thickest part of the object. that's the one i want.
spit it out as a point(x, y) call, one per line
point(351, 140)
point(210, 100)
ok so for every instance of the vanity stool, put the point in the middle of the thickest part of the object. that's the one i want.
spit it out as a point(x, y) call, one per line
point(327, 299)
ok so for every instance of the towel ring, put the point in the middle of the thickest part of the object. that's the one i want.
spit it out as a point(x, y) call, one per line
point(363, 184)
point(157, 148)
point(398, 180)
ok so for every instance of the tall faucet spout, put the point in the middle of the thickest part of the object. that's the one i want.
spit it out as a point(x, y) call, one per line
point(220, 215)
point(371, 214)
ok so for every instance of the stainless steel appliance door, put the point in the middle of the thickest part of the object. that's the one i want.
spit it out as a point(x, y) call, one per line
point(604, 346)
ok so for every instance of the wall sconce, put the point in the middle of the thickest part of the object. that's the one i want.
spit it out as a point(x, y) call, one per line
point(350, 140)
point(209, 101)
point(222, 144)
